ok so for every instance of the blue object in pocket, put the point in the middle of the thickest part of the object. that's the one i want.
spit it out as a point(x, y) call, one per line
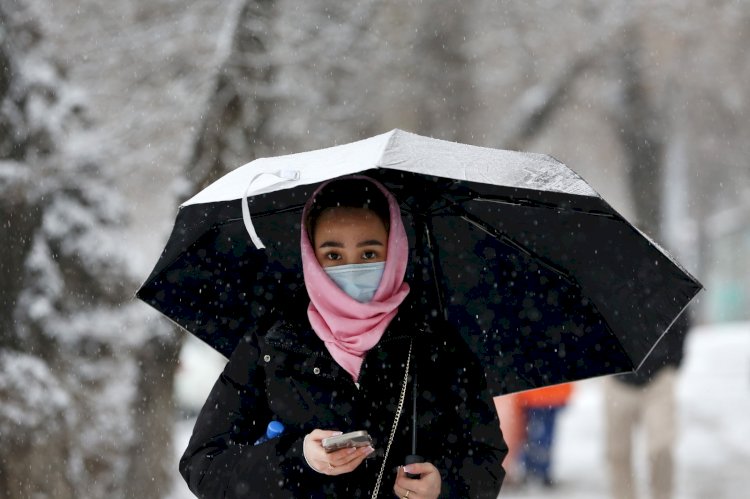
point(273, 430)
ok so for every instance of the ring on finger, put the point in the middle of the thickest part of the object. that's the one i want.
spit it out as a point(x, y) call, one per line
point(406, 496)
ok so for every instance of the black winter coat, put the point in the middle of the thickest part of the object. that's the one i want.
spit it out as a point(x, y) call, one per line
point(288, 375)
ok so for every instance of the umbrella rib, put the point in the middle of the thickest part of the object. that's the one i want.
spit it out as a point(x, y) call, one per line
point(539, 204)
point(526, 203)
point(296, 207)
point(507, 240)
point(437, 273)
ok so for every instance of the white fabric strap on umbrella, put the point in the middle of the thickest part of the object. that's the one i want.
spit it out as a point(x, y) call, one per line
point(281, 176)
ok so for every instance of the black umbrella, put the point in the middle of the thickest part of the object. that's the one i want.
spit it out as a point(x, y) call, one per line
point(544, 281)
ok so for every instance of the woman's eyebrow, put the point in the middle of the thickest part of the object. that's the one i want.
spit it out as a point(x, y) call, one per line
point(370, 242)
point(331, 244)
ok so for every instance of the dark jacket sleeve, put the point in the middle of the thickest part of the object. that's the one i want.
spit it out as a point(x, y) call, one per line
point(221, 460)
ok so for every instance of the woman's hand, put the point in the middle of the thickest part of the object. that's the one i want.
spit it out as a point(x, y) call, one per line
point(334, 463)
point(426, 486)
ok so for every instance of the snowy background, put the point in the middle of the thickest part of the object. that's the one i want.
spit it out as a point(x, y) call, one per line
point(111, 114)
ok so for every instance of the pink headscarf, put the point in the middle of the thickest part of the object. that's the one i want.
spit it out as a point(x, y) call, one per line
point(347, 327)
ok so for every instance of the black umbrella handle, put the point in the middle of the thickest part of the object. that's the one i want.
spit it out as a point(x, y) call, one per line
point(412, 459)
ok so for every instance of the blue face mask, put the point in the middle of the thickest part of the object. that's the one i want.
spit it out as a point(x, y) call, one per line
point(358, 280)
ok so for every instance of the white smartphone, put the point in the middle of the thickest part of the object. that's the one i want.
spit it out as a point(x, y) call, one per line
point(351, 439)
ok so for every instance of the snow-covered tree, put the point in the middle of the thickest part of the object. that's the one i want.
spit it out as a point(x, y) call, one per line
point(76, 374)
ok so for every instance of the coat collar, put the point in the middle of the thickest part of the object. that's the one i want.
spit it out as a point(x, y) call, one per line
point(296, 334)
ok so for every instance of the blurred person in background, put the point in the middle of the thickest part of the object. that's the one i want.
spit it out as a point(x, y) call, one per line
point(645, 398)
point(540, 409)
point(528, 425)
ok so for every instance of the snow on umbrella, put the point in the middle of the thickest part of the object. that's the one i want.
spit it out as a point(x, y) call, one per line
point(543, 279)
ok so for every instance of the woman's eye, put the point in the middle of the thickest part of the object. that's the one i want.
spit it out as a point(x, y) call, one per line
point(333, 256)
point(369, 255)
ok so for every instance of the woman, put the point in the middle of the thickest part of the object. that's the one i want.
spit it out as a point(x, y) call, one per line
point(338, 364)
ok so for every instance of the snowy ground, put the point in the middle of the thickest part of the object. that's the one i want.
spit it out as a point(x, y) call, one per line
point(713, 454)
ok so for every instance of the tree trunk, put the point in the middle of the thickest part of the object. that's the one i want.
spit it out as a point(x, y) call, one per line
point(233, 128)
point(152, 463)
point(642, 137)
point(446, 78)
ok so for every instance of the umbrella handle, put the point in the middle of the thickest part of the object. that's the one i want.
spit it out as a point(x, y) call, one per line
point(412, 459)
point(282, 176)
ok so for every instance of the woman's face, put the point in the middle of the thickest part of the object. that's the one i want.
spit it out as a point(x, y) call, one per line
point(345, 236)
